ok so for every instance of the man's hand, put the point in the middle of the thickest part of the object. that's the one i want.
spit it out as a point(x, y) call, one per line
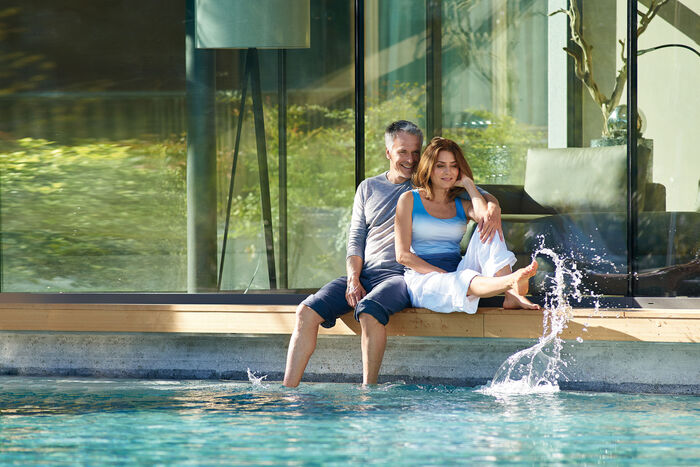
point(489, 223)
point(354, 291)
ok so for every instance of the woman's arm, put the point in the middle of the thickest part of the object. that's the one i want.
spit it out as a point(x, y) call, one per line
point(478, 200)
point(403, 225)
point(486, 212)
point(468, 208)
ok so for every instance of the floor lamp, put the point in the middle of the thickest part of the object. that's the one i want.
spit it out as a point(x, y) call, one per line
point(253, 25)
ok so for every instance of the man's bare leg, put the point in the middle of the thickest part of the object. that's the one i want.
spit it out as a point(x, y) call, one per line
point(516, 282)
point(373, 345)
point(301, 345)
point(516, 299)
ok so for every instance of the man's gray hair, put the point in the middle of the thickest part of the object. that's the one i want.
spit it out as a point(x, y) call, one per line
point(393, 130)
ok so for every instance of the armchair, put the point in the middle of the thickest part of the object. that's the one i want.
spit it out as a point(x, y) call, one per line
point(575, 200)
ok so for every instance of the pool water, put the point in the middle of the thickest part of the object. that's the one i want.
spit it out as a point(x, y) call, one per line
point(91, 421)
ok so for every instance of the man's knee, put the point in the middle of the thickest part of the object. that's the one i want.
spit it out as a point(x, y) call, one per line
point(390, 297)
point(306, 317)
point(369, 322)
point(366, 318)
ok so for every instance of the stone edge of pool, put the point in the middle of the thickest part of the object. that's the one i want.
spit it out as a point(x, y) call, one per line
point(650, 351)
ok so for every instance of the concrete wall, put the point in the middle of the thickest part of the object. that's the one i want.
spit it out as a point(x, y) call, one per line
point(594, 365)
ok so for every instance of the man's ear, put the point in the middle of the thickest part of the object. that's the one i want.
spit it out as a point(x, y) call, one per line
point(386, 152)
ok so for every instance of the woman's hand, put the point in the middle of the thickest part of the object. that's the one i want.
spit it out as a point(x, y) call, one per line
point(465, 181)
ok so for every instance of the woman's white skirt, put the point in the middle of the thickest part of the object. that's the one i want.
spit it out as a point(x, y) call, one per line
point(447, 292)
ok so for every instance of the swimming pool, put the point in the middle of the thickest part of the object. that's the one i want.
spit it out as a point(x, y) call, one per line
point(90, 421)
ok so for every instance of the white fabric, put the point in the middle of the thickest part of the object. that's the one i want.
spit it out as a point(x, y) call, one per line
point(447, 292)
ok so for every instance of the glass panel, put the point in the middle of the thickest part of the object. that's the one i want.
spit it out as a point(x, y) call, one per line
point(93, 139)
point(668, 251)
point(395, 72)
point(92, 147)
point(495, 83)
point(320, 159)
point(534, 135)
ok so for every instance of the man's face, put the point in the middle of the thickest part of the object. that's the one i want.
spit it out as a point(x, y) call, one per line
point(403, 156)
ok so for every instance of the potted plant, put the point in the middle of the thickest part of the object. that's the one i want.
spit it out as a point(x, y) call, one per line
point(614, 115)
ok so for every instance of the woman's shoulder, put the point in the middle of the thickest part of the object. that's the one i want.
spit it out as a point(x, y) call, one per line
point(407, 195)
point(406, 198)
point(412, 194)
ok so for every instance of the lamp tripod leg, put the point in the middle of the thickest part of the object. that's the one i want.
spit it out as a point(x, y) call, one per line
point(262, 165)
point(239, 127)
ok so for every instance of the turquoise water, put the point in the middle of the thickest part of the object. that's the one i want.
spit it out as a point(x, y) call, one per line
point(89, 421)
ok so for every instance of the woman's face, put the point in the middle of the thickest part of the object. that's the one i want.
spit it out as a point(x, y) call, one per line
point(445, 171)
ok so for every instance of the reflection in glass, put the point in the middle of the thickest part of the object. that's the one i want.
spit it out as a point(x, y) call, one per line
point(93, 138)
point(92, 147)
point(320, 157)
point(669, 245)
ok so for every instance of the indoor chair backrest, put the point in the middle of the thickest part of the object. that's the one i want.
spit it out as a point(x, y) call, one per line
point(582, 179)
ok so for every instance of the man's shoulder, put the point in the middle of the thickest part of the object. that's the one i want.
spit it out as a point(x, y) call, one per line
point(380, 183)
point(371, 185)
point(375, 181)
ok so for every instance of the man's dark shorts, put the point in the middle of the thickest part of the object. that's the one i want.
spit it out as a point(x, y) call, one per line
point(386, 294)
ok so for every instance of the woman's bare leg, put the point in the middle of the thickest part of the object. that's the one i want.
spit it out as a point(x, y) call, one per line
point(515, 282)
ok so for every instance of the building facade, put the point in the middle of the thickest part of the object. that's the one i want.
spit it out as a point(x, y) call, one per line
point(131, 160)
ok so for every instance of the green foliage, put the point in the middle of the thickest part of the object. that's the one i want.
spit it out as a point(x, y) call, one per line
point(90, 202)
point(496, 150)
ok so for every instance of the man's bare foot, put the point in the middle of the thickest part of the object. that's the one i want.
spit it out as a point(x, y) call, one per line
point(514, 301)
point(522, 277)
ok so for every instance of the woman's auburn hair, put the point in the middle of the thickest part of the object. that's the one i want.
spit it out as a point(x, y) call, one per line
point(421, 177)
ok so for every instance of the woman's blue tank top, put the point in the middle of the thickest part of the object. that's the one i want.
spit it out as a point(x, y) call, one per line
point(437, 240)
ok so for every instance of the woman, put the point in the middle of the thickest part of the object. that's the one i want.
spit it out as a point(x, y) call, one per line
point(430, 223)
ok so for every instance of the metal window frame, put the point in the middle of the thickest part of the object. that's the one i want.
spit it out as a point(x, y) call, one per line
point(632, 188)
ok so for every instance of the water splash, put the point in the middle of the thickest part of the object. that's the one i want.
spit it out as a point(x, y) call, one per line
point(256, 381)
point(538, 369)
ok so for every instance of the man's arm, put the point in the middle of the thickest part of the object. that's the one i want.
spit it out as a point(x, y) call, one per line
point(354, 291)
point(487, 210)
point(357, 237)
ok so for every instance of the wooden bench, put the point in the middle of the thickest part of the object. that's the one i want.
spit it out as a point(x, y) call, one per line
point(653, 325)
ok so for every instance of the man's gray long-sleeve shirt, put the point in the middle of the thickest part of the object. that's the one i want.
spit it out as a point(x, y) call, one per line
point(371, 235)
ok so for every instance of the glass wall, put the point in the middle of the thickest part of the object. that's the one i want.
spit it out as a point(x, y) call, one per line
point(92, 146)
point(668, 253)
point(320, 160)
point(395, 72)
point(93, 139)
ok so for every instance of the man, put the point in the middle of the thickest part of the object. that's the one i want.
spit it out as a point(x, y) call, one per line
point(374, 285)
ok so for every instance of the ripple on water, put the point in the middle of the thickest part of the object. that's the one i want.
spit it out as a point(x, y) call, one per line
point(206, 422)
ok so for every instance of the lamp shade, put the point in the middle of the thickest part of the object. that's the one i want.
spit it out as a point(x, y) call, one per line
point(263, 24)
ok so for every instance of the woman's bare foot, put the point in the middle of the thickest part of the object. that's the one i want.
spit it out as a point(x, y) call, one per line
point(514, 301)
point(515, 297)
